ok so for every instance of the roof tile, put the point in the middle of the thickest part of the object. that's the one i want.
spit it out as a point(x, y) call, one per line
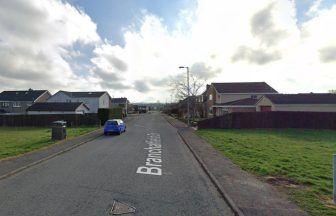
point(244, 87)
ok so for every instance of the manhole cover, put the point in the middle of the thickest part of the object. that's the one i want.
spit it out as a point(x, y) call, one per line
point(119, 208)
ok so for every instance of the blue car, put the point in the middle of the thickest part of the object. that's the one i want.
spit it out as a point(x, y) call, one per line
point(114, 126)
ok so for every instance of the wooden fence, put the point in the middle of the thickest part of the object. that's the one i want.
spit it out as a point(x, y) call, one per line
point(310, 120)
point(46, 120)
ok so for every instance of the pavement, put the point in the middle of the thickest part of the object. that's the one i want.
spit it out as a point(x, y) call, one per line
point(244, 192)
point(101, 177)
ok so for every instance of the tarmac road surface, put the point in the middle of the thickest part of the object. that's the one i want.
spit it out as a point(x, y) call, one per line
point(148, 168)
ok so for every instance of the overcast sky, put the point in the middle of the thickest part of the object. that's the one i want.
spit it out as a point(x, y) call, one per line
point(131, 48)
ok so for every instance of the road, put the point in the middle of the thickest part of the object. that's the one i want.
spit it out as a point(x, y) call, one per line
point(87, 180)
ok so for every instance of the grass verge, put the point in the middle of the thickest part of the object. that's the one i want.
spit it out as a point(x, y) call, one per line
point(19, 140)
point(297, 161)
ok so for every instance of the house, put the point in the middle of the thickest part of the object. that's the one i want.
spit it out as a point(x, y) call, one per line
point(220, 98)
point(58, 108)
point(195, 107)
point(141, 108)
point(93, 100)
point(310, 102)
point(121, 102)
point(19, 101)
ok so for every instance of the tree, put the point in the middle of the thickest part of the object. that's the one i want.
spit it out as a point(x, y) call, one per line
point(332, 91)
point(179, 89)
point(179, 86)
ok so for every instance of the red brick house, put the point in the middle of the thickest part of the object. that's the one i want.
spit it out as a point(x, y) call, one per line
point(221, 98)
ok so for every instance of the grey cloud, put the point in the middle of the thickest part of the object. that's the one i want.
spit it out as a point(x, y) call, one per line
point(328, 54)
point(36, 64)
point(106, 76)
point(141, 86)
point(256, 56)
point(117, 63)
point(263, 27)
point(202, 71)
point(213, 56)
point(160, 82)
point(33, 43)
point(14, 16)
point(115, 85)
point(110, 80)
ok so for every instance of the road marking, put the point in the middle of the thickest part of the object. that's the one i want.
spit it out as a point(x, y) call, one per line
point(154, 159)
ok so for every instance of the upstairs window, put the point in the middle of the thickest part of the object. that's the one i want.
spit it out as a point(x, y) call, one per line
point(16, 104)
point(4, 104)
point(210, 97)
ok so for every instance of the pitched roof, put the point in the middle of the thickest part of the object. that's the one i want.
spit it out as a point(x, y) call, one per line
point(83, 94)
point(310, 98)
point(244, 87)
point(119, 100)
point(241, 102)
point(29, 95)
point(55, 106)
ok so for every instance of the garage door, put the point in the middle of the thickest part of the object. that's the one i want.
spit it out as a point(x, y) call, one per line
point(265, 108)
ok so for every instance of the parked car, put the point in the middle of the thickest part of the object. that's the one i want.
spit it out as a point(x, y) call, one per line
point(114, 126)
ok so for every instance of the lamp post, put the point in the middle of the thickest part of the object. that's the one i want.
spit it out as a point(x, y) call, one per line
point(188, 98)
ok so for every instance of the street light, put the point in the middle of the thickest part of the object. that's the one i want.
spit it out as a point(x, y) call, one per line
point(181, 67)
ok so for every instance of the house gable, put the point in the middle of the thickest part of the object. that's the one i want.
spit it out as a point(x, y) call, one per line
point(94, 100)
point(59, 96)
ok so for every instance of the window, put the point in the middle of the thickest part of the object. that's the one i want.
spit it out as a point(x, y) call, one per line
point(16, 104)
point(112, 123)
point(4, 104)
point(210, 97)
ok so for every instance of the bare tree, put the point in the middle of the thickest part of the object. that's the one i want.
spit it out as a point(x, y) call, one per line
point(179, 89)
point(332, 91)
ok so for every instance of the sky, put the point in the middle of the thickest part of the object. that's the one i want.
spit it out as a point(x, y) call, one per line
point(133, 48)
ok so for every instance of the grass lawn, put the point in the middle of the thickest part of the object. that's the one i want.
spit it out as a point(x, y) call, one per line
point(18, 140)
point(299, 160)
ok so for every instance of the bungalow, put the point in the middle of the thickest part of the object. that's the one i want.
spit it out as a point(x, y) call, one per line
point(18, 101)
point(220, 98)
point(309, 102)
point(58, 108)
point(93, 100)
